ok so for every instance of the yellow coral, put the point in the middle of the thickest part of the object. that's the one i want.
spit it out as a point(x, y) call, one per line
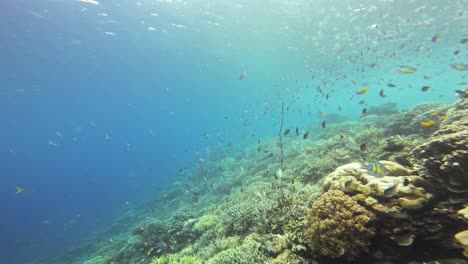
point(337, 226)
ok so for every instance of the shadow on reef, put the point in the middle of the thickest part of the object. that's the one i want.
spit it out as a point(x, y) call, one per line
point(328, 204)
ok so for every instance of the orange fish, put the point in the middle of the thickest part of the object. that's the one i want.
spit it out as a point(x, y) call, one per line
point(427, 123)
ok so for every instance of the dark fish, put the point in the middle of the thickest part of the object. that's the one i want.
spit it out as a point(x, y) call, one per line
point(363, 146)
point(328, 96)
point(406, 182)
point(381, 93)
point(427, 77)
point(435, 37)
point(306, 135)
point(391, 85)
point(362, 102)
point(339, 108)
point(456, 52)
point(324, 124)
point(463, 41)
point(390, 191)
point(348, 183)
point(425, 88)
point(286, 132)
point(226, 117)
point(259, 148)
point(364, 111)
point(287, 108)
point(297, 131)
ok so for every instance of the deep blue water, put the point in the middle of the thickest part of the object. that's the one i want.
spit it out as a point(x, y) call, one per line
point(101, 104)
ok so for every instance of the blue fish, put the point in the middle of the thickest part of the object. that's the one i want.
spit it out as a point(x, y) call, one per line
point(377, 169)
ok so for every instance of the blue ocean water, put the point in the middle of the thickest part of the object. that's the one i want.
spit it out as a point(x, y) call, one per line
point(102, 102)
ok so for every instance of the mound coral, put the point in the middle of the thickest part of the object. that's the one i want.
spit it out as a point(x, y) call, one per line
point(397, 188)
point(337, 226)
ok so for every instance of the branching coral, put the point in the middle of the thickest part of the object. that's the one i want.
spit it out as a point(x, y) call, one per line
point(337, 226)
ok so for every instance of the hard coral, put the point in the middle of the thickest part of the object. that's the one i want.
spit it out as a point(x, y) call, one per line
point(337, 226)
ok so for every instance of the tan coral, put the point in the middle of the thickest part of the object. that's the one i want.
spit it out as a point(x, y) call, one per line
point(337, 226)
point(398, 184)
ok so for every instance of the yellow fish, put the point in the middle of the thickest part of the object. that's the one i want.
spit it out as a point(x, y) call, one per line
point(19, 190)
point(342, 135)
point(459, 66)
point(406, 69)
point(362, 90)
point(427, 123)
point(308, 149)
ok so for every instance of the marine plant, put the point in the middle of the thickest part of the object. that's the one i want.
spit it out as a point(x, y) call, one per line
point(337, 226)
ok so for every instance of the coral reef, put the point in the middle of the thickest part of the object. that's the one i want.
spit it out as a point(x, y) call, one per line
point(229, 208)
point(337, 226)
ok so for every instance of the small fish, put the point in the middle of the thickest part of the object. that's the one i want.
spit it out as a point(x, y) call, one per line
point(459, 66)
point(297, 131)
point(107, 137)
point(425, 88)
point(363, 146)
point(377, 169)
point(435, 38)
point(382, 93)
point(242, 75)
point(463, 41)
point(391, 85)
point(286, 132)
point(308, 149)
point(456, 52)
point(354, 83)
point(390, 192)
point(324, 124)
point(342, 135)
point(19, 190)
point(427, 123)
point(364, 111)
point(405, 69)
point(362, 102)
point(427, 77)
point(339, 108)
point(279, 173)
point(406, 182)
point(362, 90)
point(306, 135)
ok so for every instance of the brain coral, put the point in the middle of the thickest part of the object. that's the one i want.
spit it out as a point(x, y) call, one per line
point(337, 226)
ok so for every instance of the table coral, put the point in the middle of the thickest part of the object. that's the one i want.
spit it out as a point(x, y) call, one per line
point(337, 226)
